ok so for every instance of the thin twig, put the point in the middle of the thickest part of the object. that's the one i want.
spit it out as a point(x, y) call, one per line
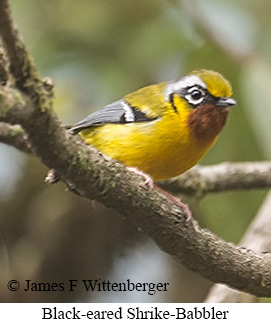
point(201, 180)
point(21, 66)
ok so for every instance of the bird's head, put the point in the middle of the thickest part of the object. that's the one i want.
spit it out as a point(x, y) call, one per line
point(207, 95)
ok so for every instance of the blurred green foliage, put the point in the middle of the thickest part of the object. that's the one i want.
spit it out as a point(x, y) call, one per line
point(97, 51)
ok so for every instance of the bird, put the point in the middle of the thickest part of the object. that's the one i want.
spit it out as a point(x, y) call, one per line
point(162, 130)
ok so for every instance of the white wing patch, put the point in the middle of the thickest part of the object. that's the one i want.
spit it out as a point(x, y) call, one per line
point(128, 114)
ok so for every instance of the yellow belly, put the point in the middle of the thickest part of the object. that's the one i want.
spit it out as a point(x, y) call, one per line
point(162, 148)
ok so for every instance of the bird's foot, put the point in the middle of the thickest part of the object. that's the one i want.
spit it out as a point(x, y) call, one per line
point(52, 177)
point(150, 184)
point(148, 180)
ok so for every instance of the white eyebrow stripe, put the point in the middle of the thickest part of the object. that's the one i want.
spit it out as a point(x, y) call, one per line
point(183, 83)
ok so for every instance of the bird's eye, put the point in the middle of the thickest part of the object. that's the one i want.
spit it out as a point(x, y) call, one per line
point(195, 96)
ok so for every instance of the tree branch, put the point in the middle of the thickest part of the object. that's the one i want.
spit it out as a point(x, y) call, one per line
point(219, 178)
point(14, 136)
point(110, 183)
point(258, 238)
point(21, 66)
point(3, 68)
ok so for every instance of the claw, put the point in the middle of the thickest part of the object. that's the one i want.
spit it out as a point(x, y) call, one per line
point(52, 177)
point(148, 180)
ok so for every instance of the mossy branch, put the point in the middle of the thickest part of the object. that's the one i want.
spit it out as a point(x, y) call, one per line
point(14, 136)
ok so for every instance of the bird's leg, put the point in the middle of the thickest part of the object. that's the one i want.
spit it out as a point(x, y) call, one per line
point(151, 185)
point(176, 201)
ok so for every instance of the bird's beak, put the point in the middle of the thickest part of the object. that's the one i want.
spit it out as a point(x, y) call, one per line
point(225, 102)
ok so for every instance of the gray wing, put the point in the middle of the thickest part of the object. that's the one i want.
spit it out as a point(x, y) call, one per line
point(117, 112)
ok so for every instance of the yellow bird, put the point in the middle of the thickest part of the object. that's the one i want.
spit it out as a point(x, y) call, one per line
point(163, 129)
